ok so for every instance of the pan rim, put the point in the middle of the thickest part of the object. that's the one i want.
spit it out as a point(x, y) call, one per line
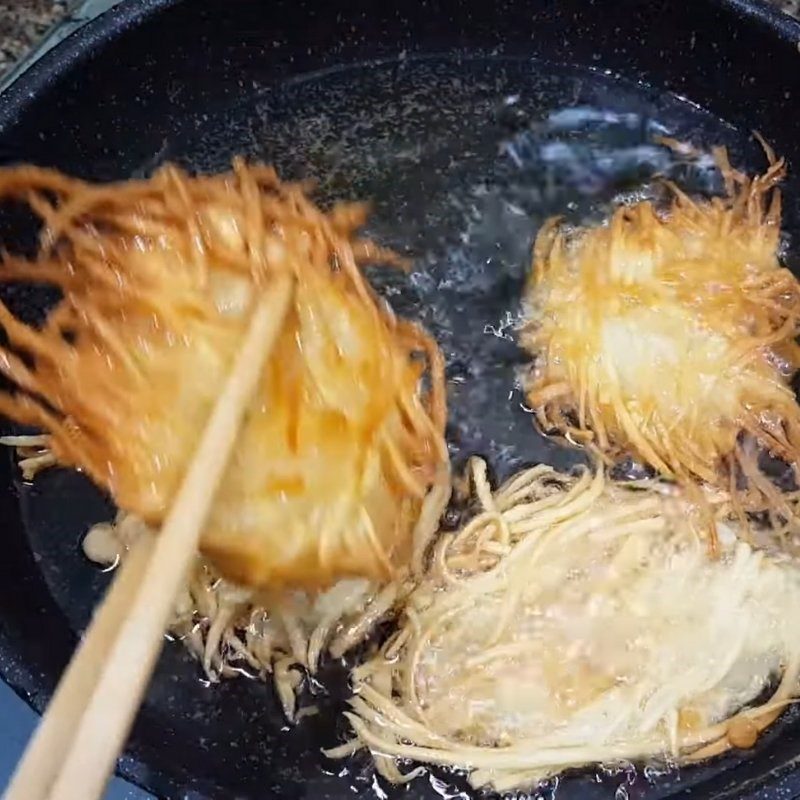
point(765, 12)
point(58, 61)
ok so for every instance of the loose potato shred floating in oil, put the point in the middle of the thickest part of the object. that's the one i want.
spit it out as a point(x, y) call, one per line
point(343, 440)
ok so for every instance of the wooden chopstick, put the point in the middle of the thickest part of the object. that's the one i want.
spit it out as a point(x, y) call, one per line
point(85, 727)
point(50, 742)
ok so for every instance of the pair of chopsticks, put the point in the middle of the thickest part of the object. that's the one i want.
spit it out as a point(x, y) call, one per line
point(75, 747)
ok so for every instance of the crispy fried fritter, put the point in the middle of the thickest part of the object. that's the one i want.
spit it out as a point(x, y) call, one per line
point(345, 436)
point(669, 333)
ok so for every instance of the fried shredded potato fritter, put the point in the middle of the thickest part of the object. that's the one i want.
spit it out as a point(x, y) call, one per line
point(345, 437)
point(574, 621)
point(668, 335)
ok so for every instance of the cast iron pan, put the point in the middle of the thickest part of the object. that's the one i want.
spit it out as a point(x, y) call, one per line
point(467, 124)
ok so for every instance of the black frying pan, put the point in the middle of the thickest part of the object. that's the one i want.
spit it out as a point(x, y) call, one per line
point(467, 123)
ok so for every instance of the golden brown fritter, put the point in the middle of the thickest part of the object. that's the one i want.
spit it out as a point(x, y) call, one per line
point(343, 440)
point(669, 335)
